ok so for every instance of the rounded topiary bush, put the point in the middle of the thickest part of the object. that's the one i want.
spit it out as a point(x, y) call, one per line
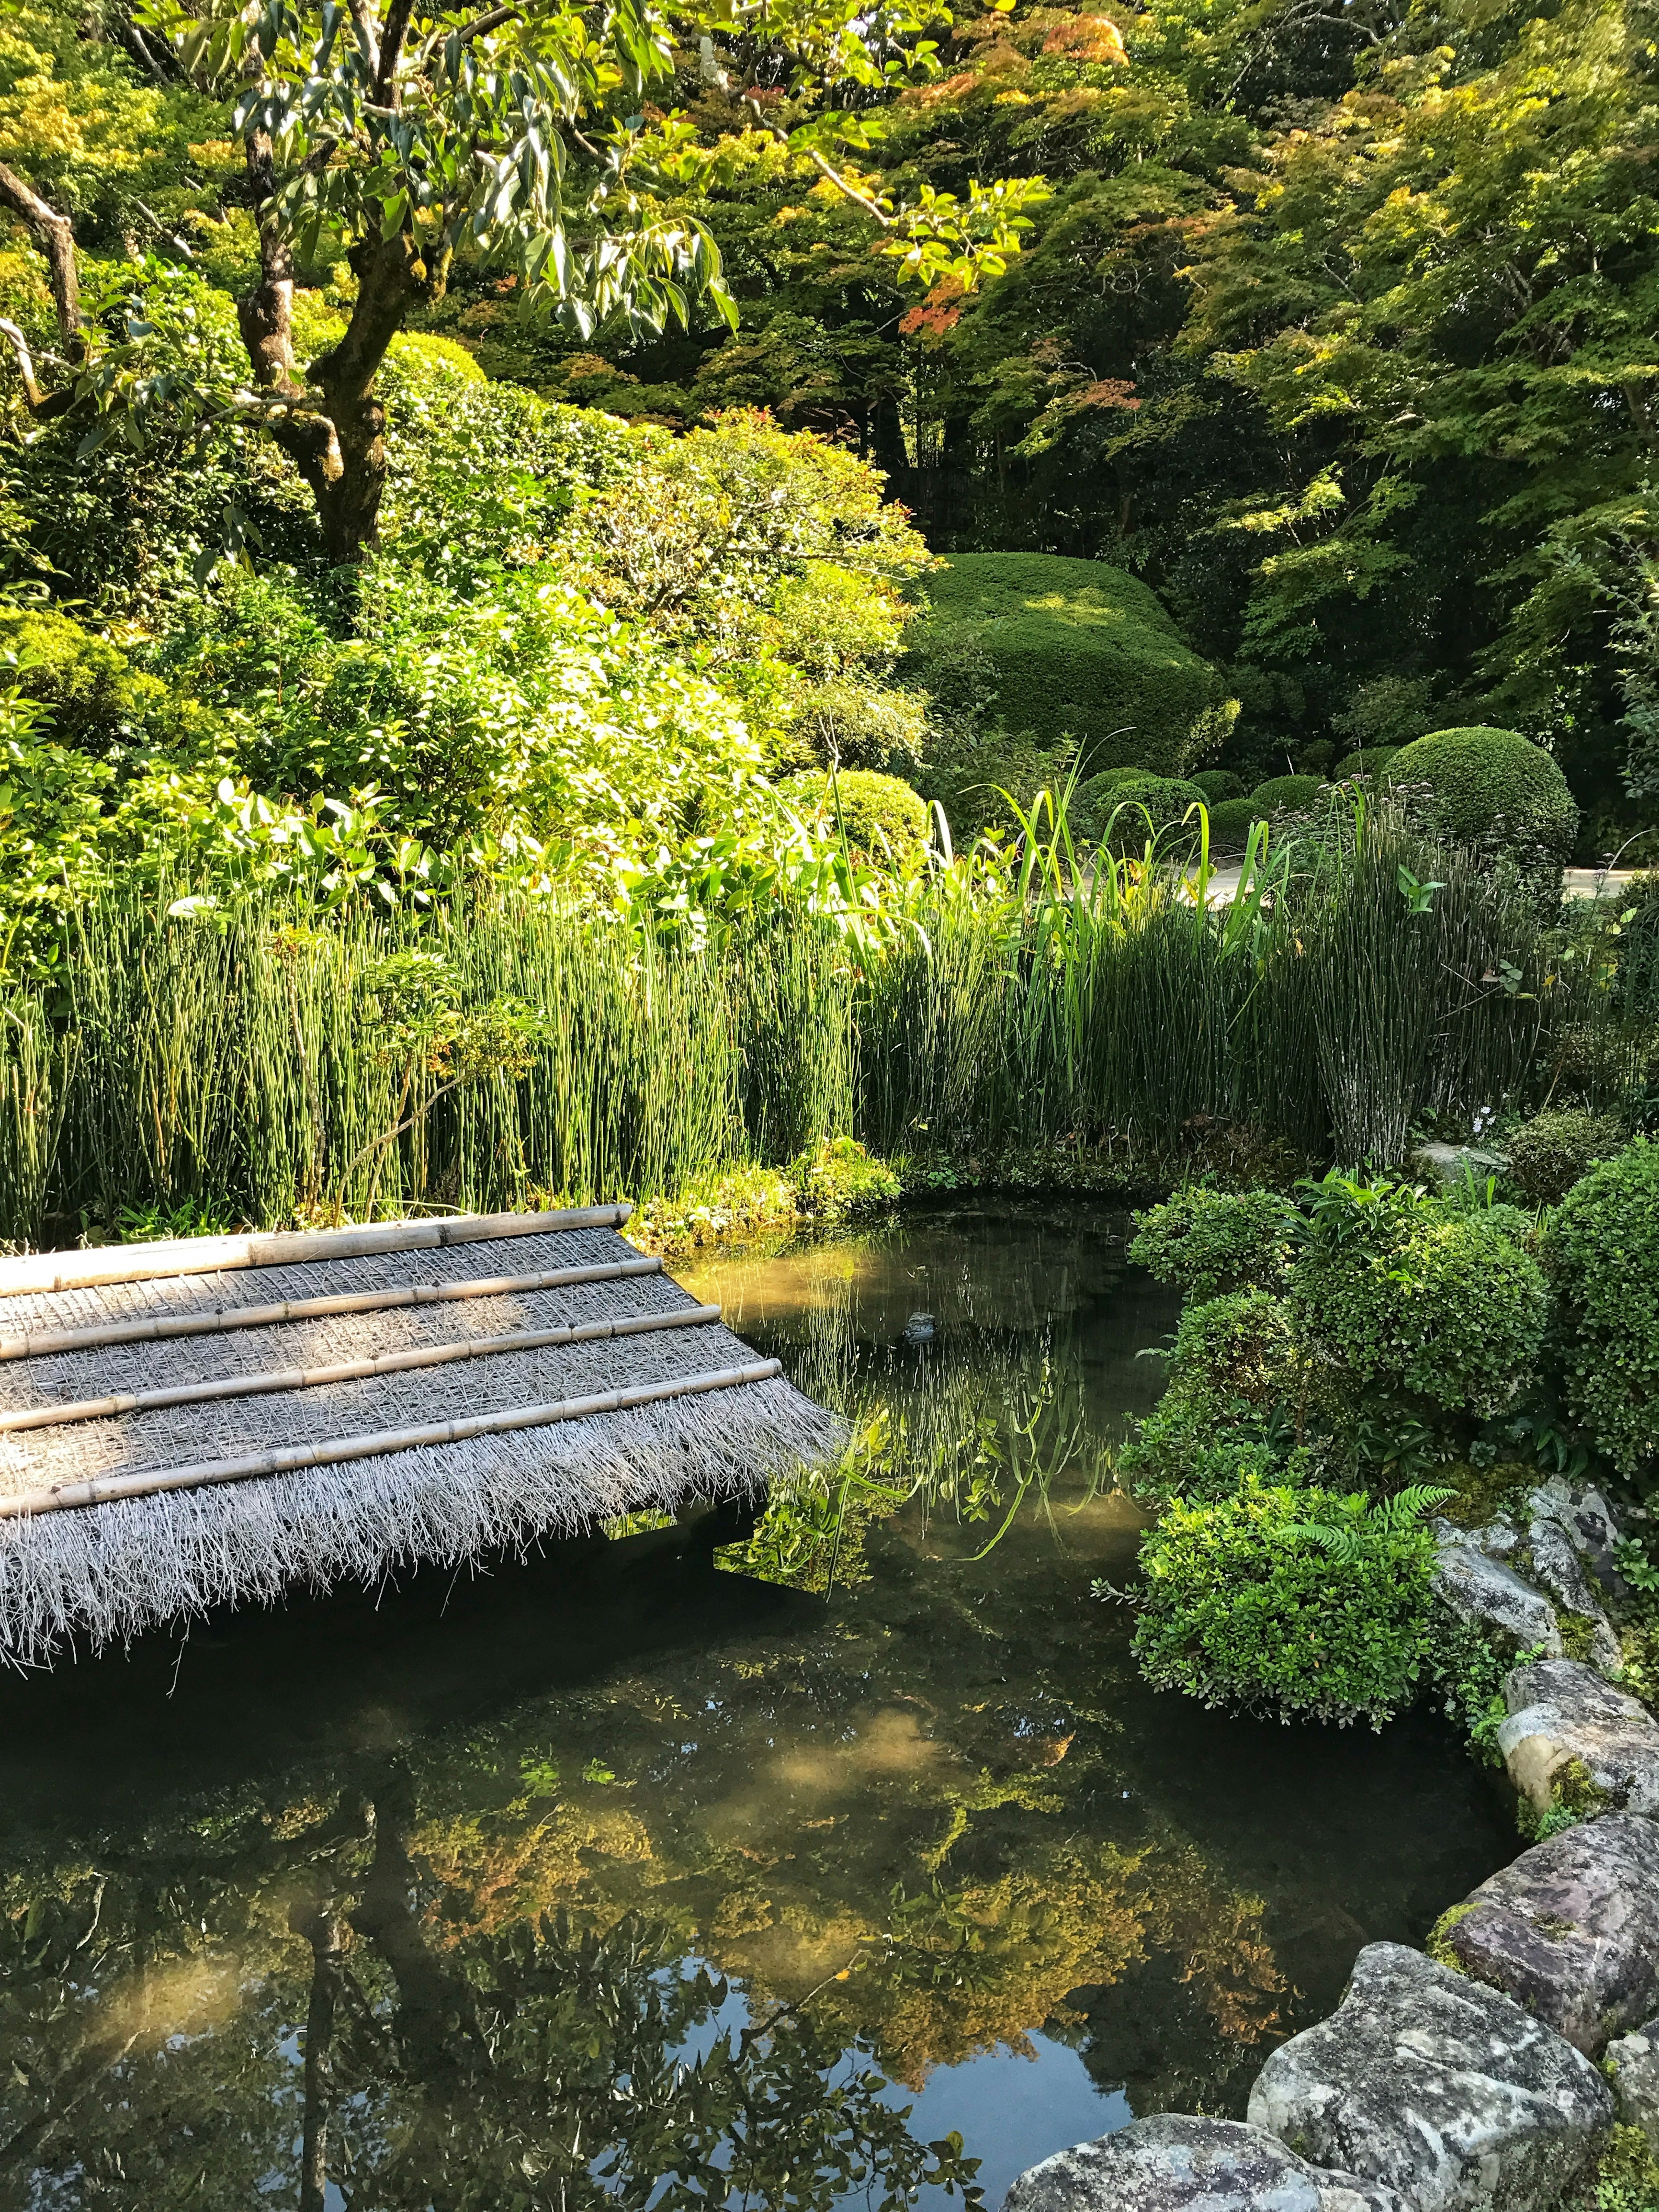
point(1603, 1250)
point(1550, 1154)
point(880, 816)
point(1083, 650)
point(1115, 808)
point(1297, 1601)
point(1210, 1240)
point(1369, 760)
point(83, 678)
point(1403, 1292)
point(1219, 784)
point(1286, 794)
point(1489, 786)
point(1231, 823)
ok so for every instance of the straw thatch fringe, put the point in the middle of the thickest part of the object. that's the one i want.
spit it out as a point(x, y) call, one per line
point(94, 1578)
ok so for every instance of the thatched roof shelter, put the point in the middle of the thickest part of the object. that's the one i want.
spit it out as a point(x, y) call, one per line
point(219, 1418)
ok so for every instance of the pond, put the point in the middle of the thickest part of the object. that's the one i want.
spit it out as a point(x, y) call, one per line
point(617, 1876)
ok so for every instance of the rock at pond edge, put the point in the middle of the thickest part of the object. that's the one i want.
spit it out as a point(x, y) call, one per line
point(1170, 2161)
point(1440, 2088)
point(1562, 1712)
point(1632, 2066)
point(1478, 1587)
point(1570, 1929)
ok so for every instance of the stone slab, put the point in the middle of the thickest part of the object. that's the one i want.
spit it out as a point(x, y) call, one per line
point(1173, 2162)
point(1561, 1710)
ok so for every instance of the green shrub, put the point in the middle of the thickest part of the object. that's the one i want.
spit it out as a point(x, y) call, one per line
point(1394, 1290)
point(880, 816)
point(1084, 650)
point(1369, 760)
point(1231, 823)
point(1602, 1250)
point(1286, 794)
point(1231, 1366)
point(1248, 1603)
point(1491, 785)
point(1115, 807)
point(1550, 1154)
point(83, 678)
point(1219, 784)
point(1210, 1240)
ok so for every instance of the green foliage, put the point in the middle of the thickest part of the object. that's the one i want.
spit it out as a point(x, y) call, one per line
point(1210, 1240)
point(1627, 2175)
point(878, 815)
point(79, 678)
point(1231, 823)
point(1081, 650)
point(1126, 809)
point(1370, 760)
point(1218, 785)
point(1393, 1290)
point(1243, 1606)
point(1286, 794)
point(1603, 1250)
point(1492, 786)
point(1553, 1150)
point(1232, 1366)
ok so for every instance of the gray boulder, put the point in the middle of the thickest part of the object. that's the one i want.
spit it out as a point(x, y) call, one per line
point(1571, 1930)
point(1582, 1511)
point(1171, 2162)
point(1449, 1163)
point(1440, 2088)
point(1480, 1589)
point(1561, 1711)
point(1632, 2066)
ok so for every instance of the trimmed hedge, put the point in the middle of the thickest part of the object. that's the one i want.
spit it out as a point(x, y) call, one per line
point(873, 808)
point(1121, 793)
point(1084, 650)
point(1211, 1241)
point(1229, 824)
point(1286, 794)
point(1492, 785)
point(1556, 1149)
point(1219, 784)
point(81, 677)
point(1369, 760)
point(1603, 1250)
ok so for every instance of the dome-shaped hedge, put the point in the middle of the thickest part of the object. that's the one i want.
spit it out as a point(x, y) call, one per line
point(1229, 824)
point(1286, 794)
point(1492, 785)
point(1084, 650)
point(1369, 760)
point(1109, 807)
point(1218, 785)
point(880, 814)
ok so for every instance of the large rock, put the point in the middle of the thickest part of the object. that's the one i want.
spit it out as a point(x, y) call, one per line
point(1440, 2088)
point(1171, 2162)
point(1482, 1589)
point(1581, 1510)
point(1633, 2067)
point(1561, 1711)
point(1571, 1930)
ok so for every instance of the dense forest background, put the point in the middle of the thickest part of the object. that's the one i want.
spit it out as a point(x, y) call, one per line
point(1336, 328)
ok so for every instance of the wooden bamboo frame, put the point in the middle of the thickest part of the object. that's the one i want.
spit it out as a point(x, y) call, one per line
point(34, 1343)
point(351, 1370)
point(105, 1490)
point(211, 1255)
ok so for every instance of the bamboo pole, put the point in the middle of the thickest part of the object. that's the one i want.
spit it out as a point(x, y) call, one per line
point(107, 1490)
point(351, 1370)
point(34, 1343)
point(211, 1255)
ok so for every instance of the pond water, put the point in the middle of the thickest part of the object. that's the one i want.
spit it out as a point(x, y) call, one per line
point(616, 1877)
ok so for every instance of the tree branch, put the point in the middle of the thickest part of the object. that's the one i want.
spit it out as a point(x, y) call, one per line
point(491, 19)
point(19, 346)
point(823, 168)
point(55, 236)
point(391, 50)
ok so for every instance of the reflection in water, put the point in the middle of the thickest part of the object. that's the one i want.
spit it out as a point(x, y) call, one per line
point(614, 1880)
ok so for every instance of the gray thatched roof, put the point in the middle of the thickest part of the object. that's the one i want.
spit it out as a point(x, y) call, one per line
point(216, 1417)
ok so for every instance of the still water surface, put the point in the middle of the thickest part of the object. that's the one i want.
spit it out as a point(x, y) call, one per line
point(612, 1878)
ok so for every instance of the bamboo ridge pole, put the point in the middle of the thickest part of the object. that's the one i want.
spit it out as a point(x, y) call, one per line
point(211, 1255)
point(352, 1371)
point(105, 1490)
point(34, 1344)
